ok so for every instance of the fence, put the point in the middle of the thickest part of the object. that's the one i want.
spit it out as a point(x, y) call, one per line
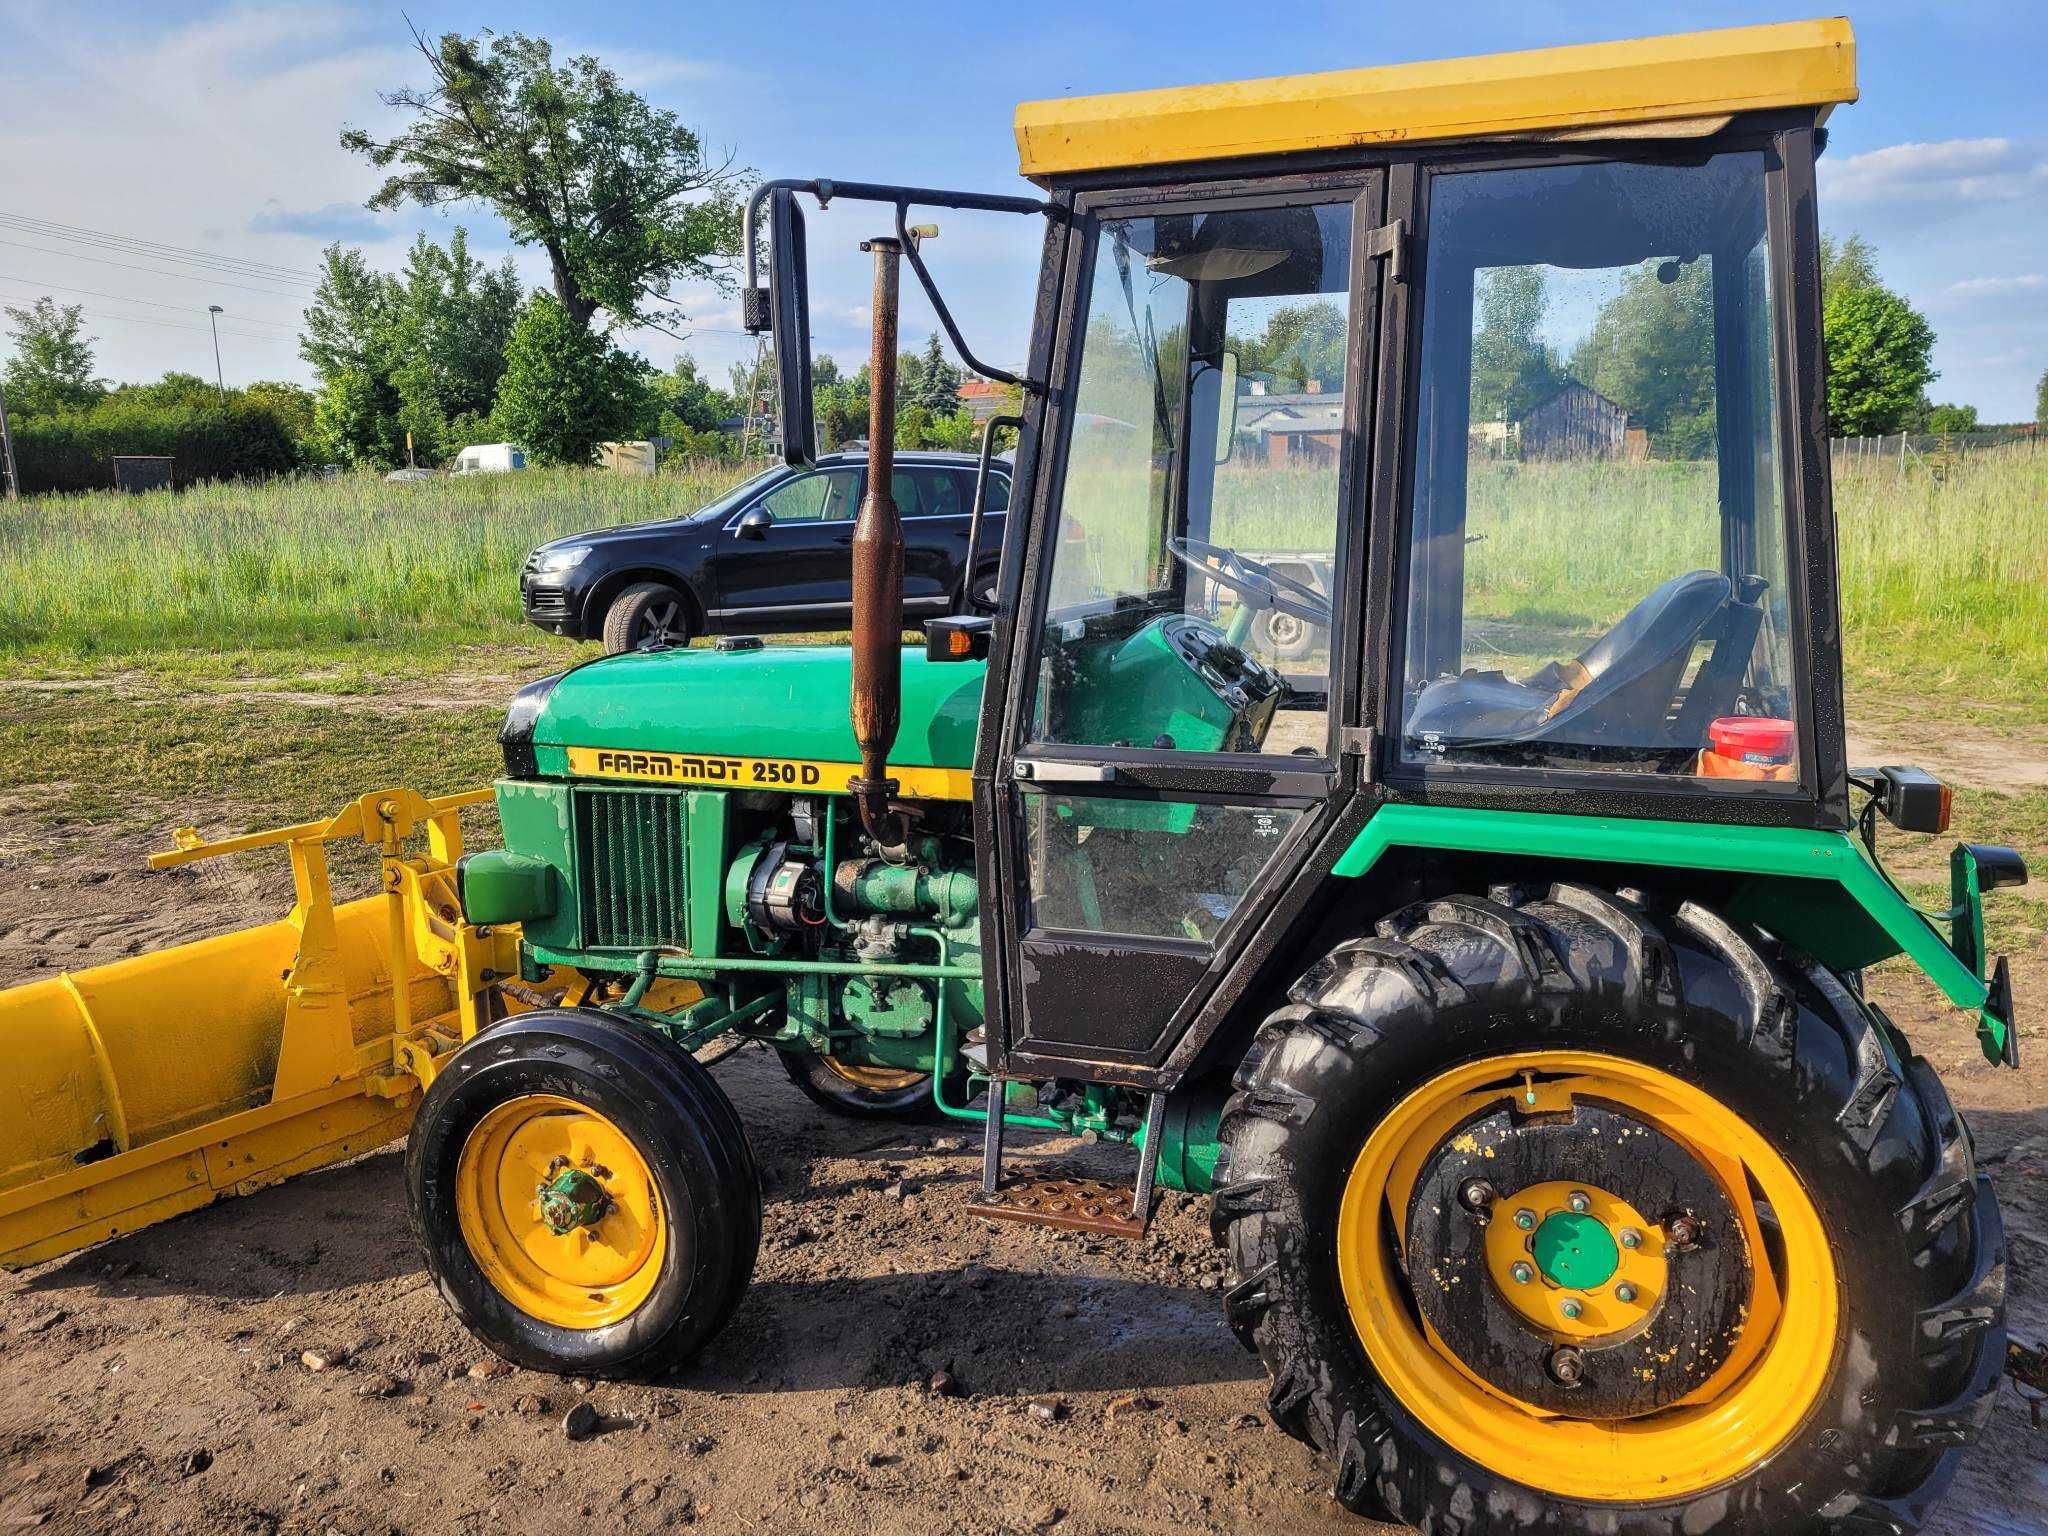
point(1903, 448)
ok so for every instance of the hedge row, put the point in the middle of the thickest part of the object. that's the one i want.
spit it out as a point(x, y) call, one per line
point(75, 451)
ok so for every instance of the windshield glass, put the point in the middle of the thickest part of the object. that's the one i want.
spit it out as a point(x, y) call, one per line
point(739, 493)
point(1190, 590)
point(1597, 541)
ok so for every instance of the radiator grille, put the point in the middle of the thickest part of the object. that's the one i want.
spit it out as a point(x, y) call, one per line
point(631, 867)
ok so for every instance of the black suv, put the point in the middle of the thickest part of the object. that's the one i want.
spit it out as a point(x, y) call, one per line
point(773, 554)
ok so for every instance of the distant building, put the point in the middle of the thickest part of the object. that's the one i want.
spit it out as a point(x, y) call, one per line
point(984, 398)
point(1577, 422)
point(1305, 428)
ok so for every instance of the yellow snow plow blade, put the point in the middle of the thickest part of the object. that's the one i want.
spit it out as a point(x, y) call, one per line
point(153, 1085)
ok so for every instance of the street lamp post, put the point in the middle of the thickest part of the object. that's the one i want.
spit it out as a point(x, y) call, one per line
point(213, 314)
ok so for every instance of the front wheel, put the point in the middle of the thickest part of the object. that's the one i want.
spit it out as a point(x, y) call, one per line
point(583, 1195)
point(1553, 1212)
point(649, 615)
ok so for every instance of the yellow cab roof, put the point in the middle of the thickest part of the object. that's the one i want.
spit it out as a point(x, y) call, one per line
point(1671, 85)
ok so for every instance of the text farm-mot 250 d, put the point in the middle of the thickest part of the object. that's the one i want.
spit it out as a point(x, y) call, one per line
point(1497, 975)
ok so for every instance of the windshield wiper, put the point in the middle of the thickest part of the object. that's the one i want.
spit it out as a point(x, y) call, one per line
point(1143, 332)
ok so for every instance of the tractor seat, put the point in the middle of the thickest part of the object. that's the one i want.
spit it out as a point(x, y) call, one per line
point(1617, 692)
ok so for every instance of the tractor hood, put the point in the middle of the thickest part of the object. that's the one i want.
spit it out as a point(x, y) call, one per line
point(774, 718)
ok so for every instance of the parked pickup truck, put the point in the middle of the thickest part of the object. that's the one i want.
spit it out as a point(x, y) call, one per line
point(773, 555)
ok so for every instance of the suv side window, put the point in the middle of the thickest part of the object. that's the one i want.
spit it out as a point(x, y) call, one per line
point(998, 489)
point(829, 497)
point(927, 493)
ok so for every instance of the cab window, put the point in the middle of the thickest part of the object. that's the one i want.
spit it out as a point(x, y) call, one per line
point(1189, 596)
point(1596, 544)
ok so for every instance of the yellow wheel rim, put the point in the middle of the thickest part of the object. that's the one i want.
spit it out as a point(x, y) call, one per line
point(1735, 1420)
point(592, 1276)
point(874, 1079)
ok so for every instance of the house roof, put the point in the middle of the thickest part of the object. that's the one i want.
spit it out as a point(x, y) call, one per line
point(1678, 85)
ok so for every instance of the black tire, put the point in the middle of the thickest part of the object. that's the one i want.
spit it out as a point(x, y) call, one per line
point(683, 1127)
point(825, 1085)
point(1914, 1228)
point(648, 613)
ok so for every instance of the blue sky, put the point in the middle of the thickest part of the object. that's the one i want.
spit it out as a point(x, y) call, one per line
point(214, 126)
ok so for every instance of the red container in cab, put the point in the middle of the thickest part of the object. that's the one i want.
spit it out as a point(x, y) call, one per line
point(1750, 747)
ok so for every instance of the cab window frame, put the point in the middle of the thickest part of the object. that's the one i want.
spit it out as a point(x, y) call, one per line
point(1818, 795)
point(1360, 185)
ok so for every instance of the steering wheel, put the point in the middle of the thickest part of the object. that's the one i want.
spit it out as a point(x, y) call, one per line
point(1256, 581)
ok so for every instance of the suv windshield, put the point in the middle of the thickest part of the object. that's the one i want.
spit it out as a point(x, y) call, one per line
point(1597, 568)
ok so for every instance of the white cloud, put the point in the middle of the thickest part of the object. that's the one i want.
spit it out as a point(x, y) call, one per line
point(1950, 170)
point(2025, 284)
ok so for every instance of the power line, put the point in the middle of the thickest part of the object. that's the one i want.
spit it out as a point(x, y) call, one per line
point(138, 246)
point(129, 298)
point(186, 277)
point(103, 317)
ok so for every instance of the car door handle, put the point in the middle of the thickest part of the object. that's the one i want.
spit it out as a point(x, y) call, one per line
point(1042, 772)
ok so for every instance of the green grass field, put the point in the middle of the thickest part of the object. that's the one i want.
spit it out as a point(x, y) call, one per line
point(1944, 578)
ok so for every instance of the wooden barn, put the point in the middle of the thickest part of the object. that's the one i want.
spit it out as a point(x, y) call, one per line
point(1578, 422)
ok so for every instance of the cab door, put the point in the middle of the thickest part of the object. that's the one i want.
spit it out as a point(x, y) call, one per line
point(1161, 774)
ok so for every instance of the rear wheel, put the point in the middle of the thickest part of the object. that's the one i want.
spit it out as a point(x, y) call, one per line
point(1550, 1212)
point(584, 1195)
point(647, 615)
point(859, 1089)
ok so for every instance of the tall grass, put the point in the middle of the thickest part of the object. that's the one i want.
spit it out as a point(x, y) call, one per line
point(1944, 576)
point(305, 562)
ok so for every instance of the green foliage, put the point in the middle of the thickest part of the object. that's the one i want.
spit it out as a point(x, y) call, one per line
point(1513, 371)
point(1846, 265)
point(619, 195)
point(565, 390)
point(1952, 418)
point(839, 404)
point(688, 399)
point(2041, 400)
point(74, 450)
point(1301, 342)
point(929, 380)
point(1879, 350)
point(958, 432)
point(51, 369)
point(1651, 351)
point(421, 352)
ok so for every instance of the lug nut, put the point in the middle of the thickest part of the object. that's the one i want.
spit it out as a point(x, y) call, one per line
point(1624, 1293)
point(1630, 1238)
point(1526, 1220)
point(1522, 1272)
point(1567, 1366)
point(1477, 1195)
point(1571, 1309)
point(1684, 1230)
point(1579, 1201)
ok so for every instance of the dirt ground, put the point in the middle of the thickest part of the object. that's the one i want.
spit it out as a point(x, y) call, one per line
point(156, 1383)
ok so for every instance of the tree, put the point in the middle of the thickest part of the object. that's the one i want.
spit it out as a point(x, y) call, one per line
point(619, 195)
point(51, 369)
point(1845, 265)
point(1513, 371)
point(450, 320)
point(1300, 343)
point(565, 390)
point(685, 396)
point(1952, 418)
point(2041, 400)
point(1879, 350)
point(937, 385)
point(1651, 351)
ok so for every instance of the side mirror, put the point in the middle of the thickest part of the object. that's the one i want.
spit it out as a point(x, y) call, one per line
point(1226, 410)
point(754, 524)
point(789, 301)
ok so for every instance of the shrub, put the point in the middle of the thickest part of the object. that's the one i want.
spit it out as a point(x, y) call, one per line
point(75, 450)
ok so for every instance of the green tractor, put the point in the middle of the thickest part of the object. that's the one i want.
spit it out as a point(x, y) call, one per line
point(1495, 967)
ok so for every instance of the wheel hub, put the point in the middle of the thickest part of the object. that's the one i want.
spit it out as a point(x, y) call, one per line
point(571, 1198)
point(1567, 1290)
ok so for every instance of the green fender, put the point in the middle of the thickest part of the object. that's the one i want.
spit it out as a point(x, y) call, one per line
point(1818, 890)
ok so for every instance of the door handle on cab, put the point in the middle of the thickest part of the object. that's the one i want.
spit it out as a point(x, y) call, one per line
point(1041, 771)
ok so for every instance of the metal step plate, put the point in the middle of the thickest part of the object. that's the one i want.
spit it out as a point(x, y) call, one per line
point(1057, 1199)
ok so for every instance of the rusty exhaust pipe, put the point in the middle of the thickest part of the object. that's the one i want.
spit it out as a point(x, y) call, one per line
point(877, 703)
